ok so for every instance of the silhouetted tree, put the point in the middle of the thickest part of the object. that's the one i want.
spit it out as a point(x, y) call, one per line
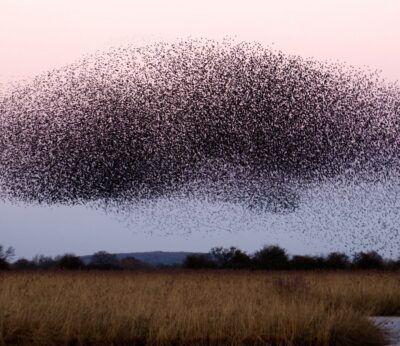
point(5, 256)
point(320, 262)
point(219, 255)
point(23, 264)
point(232, 258)
point(44, 262)
point(238, 259)
point(103, 260)
point(271, 257)
point(70, 262)
point(337, 260)
point(368, 260)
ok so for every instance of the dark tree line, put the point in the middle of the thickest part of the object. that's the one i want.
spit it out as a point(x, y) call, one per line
point(100, 260)
point(276, 258)
point(270, 257)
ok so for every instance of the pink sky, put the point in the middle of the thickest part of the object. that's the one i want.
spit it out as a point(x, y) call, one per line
point(39, 35)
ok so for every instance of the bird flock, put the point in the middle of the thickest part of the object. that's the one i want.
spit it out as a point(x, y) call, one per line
point(228, 122)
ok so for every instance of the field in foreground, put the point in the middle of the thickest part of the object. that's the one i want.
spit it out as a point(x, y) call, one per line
point(182, 307)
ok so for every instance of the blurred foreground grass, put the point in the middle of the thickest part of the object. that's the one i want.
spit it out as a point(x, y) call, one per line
point(199, 307)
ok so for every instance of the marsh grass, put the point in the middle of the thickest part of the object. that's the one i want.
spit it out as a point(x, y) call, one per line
point(182, 307)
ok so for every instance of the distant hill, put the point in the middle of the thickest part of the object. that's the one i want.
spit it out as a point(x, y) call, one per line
point(156, 258)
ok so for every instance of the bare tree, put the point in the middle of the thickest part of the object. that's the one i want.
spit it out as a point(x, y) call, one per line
point(5, 256)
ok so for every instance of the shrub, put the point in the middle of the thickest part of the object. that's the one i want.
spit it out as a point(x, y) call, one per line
point(271, 257)
point(24, 264)
point(104, 261)
point(337, 260)
point(368, 260)
point(232, 258)
point(70, 262)
point(44, 262)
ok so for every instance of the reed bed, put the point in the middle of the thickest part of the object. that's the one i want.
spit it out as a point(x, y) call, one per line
point(199, 308)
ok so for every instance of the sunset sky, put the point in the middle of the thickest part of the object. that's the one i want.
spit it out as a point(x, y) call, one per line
point(36, 36)
point(39, 35)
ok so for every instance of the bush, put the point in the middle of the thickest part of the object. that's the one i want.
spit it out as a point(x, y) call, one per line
point(337, 260)
point(271, 257)
point(24, 264)
point(368, 260)
point(70, 262)
point(103, 260)
point(44, 262)
point(232, 258)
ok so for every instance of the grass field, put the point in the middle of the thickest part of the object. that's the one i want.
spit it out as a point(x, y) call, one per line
point(183, 307)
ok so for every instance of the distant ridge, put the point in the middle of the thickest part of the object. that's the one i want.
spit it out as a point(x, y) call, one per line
point(155, 258)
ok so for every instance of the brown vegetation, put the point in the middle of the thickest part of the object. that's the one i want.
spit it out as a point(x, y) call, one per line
point(202, 307)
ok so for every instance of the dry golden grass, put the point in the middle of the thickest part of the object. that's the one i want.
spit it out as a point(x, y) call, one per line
point(184, 307)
